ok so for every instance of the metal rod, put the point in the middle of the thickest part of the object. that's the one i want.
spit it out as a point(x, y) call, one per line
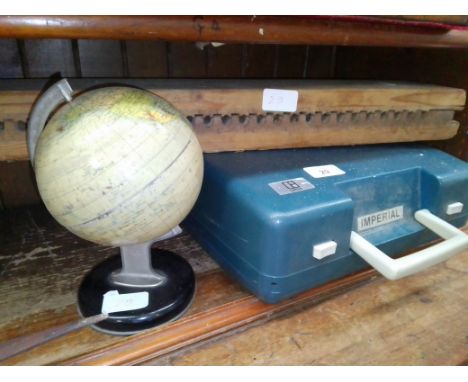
point(21, 344)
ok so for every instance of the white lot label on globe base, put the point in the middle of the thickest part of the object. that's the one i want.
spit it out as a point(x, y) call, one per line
point(379, 218)
point(291, 186)
point(280, 100)
point(114, 302)
point(324, 171)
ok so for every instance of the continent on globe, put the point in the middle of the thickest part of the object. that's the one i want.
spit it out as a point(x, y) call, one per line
point(118, 166)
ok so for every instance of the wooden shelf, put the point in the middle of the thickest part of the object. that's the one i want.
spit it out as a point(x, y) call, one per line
point(312, 30)
point(43, 264)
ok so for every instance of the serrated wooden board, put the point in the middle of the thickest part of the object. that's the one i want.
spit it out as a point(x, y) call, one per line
point(228, 115)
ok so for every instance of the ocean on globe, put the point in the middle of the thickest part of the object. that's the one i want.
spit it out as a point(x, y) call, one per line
point(118, 166)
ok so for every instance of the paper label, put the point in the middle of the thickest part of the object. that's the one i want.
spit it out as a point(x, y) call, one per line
point(379, 218)
point(114, 302)
point(280, 100)
point(291, 186)
point(324, 171)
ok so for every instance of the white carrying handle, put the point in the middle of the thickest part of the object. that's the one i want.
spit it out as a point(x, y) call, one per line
point(456, 241)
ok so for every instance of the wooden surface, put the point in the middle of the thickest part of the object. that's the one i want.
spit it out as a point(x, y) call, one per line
point(325, 30)
point(244, 97)
point(161, 59)
point(448, 19)
point(17, 184)
point(41, 267)
point(228, 115)
point(447, 67)
point(418, 320)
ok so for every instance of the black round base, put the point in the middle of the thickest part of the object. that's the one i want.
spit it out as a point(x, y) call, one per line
point(167, 301)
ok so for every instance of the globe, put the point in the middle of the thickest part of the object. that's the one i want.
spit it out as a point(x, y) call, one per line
point(118, 166)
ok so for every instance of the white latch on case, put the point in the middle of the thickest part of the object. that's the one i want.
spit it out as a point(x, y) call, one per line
point(324, 249)
point(454, 208)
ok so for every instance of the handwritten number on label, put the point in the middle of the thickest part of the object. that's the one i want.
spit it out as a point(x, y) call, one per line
point(280, 100)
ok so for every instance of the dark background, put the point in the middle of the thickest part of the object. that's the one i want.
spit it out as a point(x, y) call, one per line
point(43, 58)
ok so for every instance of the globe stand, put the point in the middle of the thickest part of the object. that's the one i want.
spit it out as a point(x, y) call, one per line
point(167, 277)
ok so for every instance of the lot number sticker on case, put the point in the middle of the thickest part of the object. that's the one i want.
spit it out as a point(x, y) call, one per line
point(324, 171)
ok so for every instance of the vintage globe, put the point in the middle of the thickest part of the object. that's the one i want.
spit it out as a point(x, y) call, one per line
point(118, 166)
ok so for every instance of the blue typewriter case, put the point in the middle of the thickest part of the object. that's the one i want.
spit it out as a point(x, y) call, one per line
point(284, 221)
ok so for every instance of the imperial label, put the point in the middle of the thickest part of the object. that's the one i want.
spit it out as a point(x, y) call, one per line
point(379, 218)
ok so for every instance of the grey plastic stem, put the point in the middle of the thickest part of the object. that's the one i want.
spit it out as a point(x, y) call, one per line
point(136, 264)
point(58, 93)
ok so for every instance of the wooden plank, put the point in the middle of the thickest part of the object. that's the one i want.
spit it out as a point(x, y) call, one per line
point(10, 63)
point(448, 19)
point(274, 135)
point(17, 185)
point(228, 116)
point(321, 62)
point(224, 61)
point(422, 65)
point(291, 61)
point(186, 60)
point(202, 326)
point(245, 96)
point(260, 61)
point(49, 57)
point(419, 320)
point(13, 145)
point(238, 29)
point(239, 136)
point(147, 59)
point(42, 265)
point(100, 58)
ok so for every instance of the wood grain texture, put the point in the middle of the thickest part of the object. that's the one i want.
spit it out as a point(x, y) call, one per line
point(17, 184)
point(260, 61)
point(10, 62)
point(292, 61)
point(419, 320)
point(252, 29)
point(100, 58)
point(13, 142)
point(45, 58)
point(159, 59)
point(447, 67)
point(225, 61)
point(147, 59)
point(41, 267)
point(448, 19)
point(208, 324)
point(228, 115)
point(245, 96)
point(270, 134)
point(185, 60)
